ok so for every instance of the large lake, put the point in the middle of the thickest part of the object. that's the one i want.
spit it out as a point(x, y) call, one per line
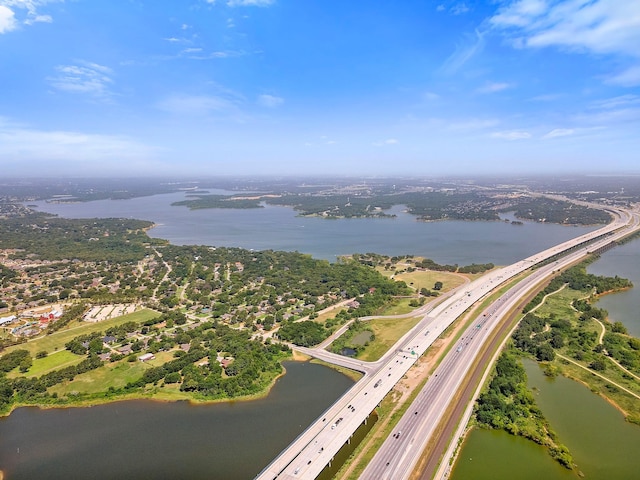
point(229, 440)
point(279, 228)
point(152, 440)
point(623, 261)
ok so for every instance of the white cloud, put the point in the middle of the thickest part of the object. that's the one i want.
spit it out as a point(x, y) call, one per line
point(89, 78)
point(440, 8)
point(198, 105)
point(520, 13)
point(9, 8)
point(200, 55)
point(559, 132)
point(511, 135)
point(250, 3)
point(270, 101)
point(494, 87)
point(39, 18)
point(459, 9)
point(7, 19)
point(616, 102)
point(463, 53)
point(599, 26)
point(389, 141)
point(55, 150)
point(547, 97)
point(473, 124)
point(627, 78)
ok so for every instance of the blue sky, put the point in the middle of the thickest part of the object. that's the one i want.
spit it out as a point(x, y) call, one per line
point(115, 87)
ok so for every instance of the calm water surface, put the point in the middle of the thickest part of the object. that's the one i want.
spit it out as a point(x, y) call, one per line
point(603, 445)
point(623, 261)
point(496, 455)
point(151, 440)
point(236, 440)
point(279, 228)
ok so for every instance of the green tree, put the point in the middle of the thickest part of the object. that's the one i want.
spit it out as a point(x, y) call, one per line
point(618, 327)
point(25, 364)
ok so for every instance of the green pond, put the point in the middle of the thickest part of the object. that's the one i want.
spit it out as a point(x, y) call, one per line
point(603, 444)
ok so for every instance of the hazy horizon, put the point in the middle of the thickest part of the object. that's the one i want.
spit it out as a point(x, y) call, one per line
point(282, 87)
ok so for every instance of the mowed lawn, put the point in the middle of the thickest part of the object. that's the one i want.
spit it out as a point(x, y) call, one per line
point(427, 279)
point(56, 341)
point(115, 375)
point(387, 332)
point(399, 306)
point(54, 361)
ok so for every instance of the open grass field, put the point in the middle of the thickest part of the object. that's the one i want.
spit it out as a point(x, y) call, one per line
point(387, 332)
point(56, 341)
point(114, 375)
point(110, 375)
point(399, 306)
point(427, 278)
point(324, 316)
point(559, 304)
point(59, 359)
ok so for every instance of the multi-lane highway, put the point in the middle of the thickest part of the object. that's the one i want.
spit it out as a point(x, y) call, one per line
point(307, 456)
point(399, 454)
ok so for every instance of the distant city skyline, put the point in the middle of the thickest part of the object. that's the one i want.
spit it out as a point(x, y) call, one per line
point(250, 87)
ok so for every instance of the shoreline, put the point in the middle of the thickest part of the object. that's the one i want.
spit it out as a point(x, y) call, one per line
point(158, 397)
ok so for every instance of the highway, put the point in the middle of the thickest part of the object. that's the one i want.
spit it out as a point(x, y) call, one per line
point(308, 454)
point(399, 454)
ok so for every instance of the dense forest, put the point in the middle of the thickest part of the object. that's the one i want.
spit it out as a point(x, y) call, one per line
point(54, 238)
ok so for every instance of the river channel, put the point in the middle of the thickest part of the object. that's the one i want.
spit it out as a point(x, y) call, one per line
point(154, 440)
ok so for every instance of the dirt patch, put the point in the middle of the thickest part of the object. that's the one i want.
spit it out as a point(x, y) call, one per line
point(299, 357)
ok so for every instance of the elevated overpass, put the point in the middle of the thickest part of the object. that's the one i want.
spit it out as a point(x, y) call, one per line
point(315, 448)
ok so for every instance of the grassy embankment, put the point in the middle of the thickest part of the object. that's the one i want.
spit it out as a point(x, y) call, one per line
point(388, 331)
point(396, 403)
